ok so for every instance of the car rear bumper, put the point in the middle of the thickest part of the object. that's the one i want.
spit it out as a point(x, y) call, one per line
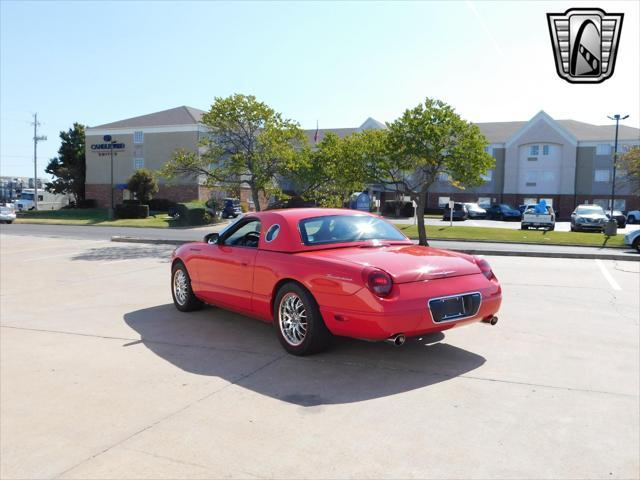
point(406, 311)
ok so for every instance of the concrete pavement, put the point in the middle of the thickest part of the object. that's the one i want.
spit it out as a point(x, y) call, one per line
point(103, 378)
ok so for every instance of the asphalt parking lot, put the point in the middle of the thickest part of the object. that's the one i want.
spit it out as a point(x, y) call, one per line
point(102, 378)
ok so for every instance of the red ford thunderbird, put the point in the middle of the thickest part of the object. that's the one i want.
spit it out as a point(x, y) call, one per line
point(317, 272)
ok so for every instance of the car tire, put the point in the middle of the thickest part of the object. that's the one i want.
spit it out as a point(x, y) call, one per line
point(293, 299)
point(524, 227)
point(552, 228)
point(636, 244)
point(631, 219)
point(183, 297)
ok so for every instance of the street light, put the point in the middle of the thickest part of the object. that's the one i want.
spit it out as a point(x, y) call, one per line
point(108, 139)
point(617, 118)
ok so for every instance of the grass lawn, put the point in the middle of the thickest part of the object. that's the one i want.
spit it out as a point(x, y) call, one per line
point(520, 236)
point(92, 216)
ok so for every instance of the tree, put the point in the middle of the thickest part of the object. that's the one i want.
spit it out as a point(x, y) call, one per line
point(629, 163)
point(143, 184)
point(69, 167)
point(425, 141)
point(336, 168)
point(249, 145)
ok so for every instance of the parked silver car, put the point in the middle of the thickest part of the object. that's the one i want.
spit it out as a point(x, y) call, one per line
point(588, 217)
point(475, 211)
point(7, 214)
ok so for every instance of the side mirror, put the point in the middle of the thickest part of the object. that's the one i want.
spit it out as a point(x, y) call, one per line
point(211, 238)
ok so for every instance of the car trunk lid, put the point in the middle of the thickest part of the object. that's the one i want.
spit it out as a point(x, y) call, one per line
point(406, 263)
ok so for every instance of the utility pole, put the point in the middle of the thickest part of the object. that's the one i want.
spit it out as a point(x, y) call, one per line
point(617, 118)
point(36, 139)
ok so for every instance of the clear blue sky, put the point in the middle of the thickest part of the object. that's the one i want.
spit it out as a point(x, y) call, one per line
point(334, 62)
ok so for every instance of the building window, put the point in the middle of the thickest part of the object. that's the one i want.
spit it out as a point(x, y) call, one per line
point(138, 163)
point(530, 201)
point(487, 176)
point(488, 149)
point(603, 149)
point(601, 202)
point(601, 175)
point(534, 150)
point(545, 150)
point(138, 136)
point(548, 201)
point(443, 201)
point(443, 177)
point(620, 204)
point(484, 201)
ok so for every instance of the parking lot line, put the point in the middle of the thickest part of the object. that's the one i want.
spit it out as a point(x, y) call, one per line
point(612, 281)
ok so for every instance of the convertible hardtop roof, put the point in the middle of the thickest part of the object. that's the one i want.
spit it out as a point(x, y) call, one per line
point(288, 238)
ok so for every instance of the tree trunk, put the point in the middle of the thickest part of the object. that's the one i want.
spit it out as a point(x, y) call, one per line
point(421, 203)
point(255, 195)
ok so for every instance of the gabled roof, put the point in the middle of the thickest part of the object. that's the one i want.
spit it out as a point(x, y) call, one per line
point(589, 132)
point(174, 116)
point(500, 132)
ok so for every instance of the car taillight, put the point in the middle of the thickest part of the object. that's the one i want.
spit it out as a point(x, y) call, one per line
point(378, 281)
point(485, 268)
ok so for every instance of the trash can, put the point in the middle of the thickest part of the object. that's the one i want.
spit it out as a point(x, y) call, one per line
point(611, 228)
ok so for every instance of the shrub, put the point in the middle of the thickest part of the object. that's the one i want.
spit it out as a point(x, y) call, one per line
point(87, 203)
point(127, 210)
point(143, 184)
point(394, 208)
point(191, 216)
point(161, 204)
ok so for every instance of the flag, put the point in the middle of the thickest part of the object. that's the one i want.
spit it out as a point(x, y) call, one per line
point(315, 136)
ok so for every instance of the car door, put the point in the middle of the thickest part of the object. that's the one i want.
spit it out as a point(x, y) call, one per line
point(225, 268)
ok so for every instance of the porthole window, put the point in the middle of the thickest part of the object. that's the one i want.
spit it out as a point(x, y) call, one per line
point(272, 233)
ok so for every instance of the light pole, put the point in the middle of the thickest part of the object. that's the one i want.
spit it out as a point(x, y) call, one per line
point(617, 118)
point(36, 138)
point(107, 138)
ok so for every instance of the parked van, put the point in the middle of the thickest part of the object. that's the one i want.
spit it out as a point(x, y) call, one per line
point(46, 200)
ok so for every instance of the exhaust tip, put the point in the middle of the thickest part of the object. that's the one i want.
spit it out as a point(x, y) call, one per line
point(491, 320)
point(396, 340)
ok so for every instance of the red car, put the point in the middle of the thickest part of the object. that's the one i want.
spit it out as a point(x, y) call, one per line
point(320, 272)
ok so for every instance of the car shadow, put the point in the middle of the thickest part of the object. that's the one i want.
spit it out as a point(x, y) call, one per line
point(218, 343)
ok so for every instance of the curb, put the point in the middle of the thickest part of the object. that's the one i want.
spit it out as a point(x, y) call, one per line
point(151, 241)
point(630, 257)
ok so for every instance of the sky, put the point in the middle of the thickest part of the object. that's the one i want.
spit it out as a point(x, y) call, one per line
point(334, 63)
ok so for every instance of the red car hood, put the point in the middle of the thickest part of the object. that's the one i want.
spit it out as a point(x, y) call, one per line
point(406, 263)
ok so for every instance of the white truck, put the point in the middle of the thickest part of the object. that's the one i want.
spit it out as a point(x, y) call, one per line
point(46, 200)
point(532, 219)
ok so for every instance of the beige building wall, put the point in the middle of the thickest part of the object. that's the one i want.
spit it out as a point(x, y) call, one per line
point(540, 132)
point(156, 149)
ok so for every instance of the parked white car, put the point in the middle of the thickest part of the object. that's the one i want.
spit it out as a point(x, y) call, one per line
point(7, 214)
point(633, 216)
point(633, 239)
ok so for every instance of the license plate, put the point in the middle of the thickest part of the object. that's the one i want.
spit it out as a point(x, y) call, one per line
point(454, 307)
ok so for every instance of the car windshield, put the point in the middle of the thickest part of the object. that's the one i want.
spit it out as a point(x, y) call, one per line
point(506, 206)
point(26, 196)
point(590, 210)
point(345, 229)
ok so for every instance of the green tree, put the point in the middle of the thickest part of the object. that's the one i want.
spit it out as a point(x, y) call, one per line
point(425, 141)
point(249, 145)
point(629, 163)
point(334, 170)
point(69, 167)
point(143, 184)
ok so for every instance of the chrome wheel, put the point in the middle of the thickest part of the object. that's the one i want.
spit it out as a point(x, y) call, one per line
point(180, 287)
point(292, 319)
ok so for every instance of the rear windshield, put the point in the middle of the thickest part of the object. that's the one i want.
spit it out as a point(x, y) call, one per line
point(345, 229)
point(590, 210)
